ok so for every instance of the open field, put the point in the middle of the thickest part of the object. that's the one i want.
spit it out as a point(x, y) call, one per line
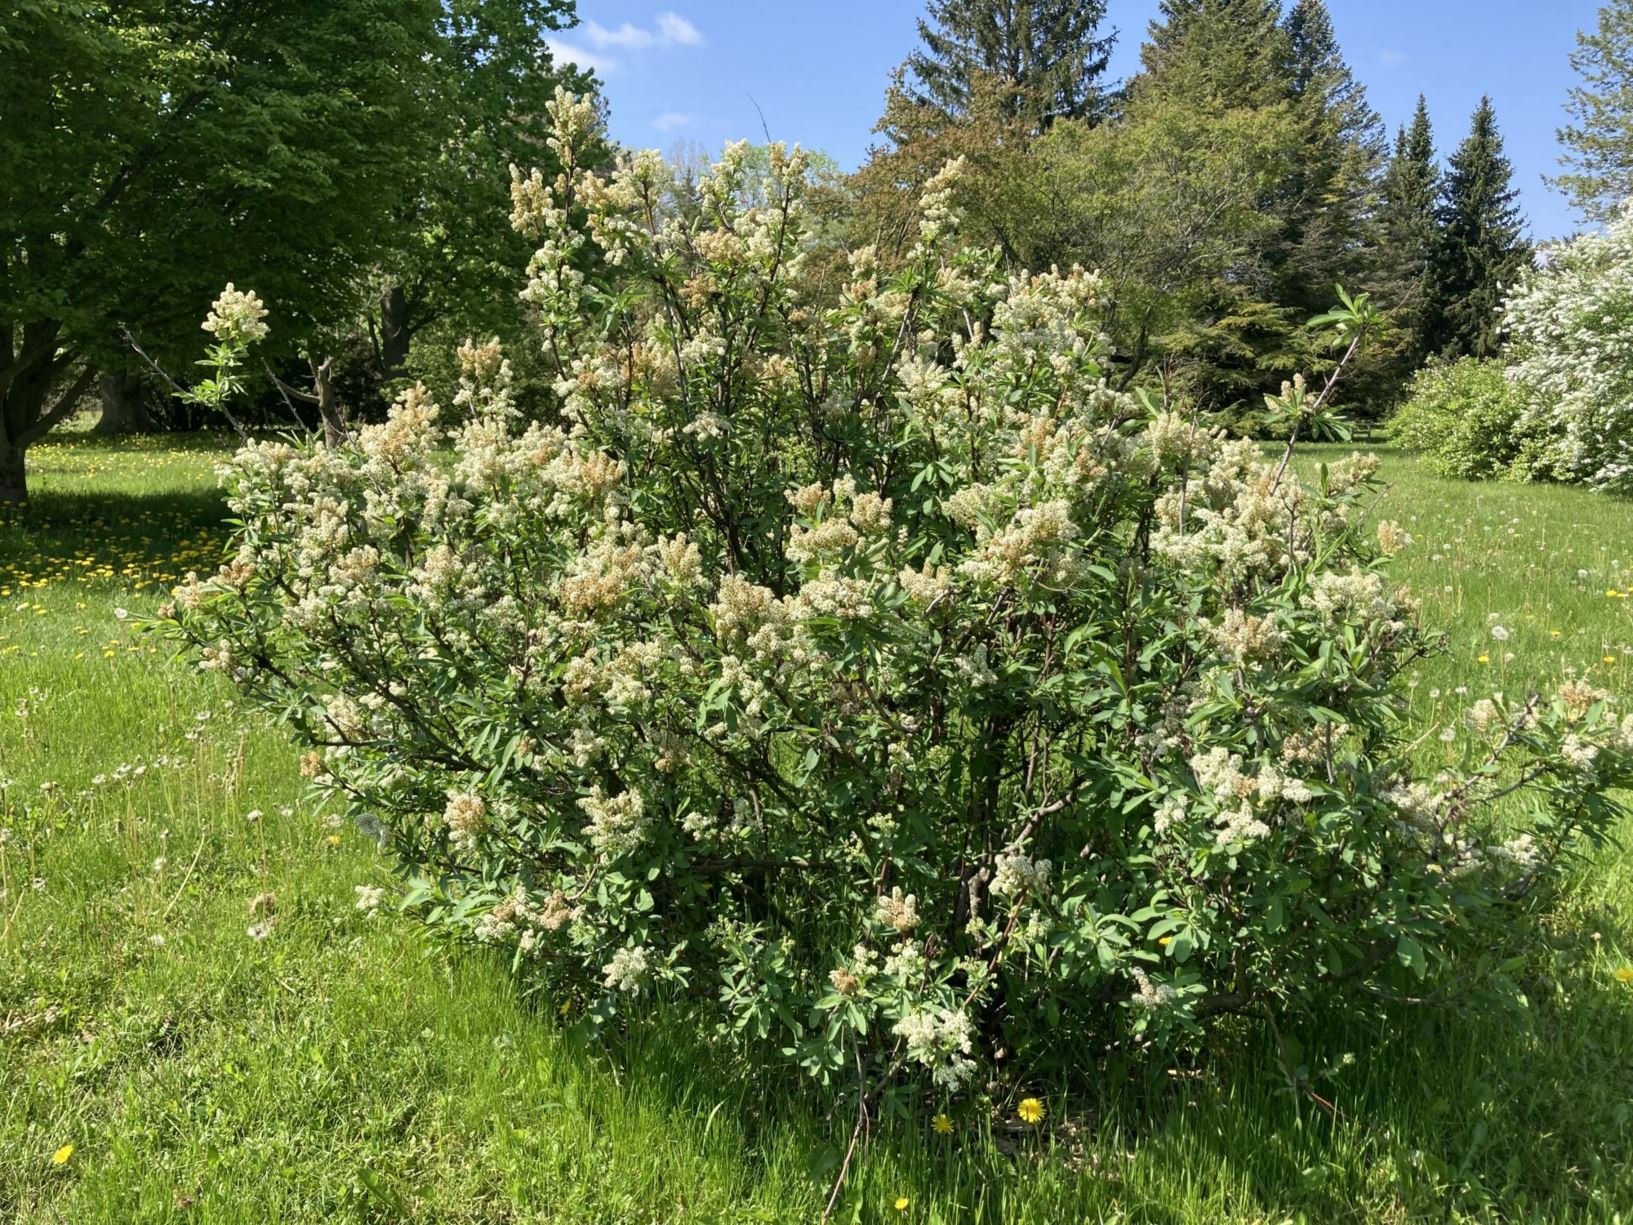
point(191, 1000)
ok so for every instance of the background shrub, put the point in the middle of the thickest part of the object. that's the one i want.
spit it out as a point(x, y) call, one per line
point(1465, 417)
point(1571, 323)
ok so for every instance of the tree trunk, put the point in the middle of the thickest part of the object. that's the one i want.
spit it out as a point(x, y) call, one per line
point(29, 374)
point(329, 407)
point(394, 332)
point(124, 404)
point(13, 476)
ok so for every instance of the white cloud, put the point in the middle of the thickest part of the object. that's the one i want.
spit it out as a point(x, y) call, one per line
point(669, 30)
point(674, 28)
point(626, 36)
point(670, 120)
point(565, 53)
point(1391, 56)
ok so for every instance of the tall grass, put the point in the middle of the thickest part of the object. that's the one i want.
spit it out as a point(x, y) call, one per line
point(190, 998)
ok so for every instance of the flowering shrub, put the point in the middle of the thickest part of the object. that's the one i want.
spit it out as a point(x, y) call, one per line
point(1465, 417)
point(1572, 341)
point(866, 672)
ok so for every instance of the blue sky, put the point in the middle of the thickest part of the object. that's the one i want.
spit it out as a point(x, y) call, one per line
point(693, 70)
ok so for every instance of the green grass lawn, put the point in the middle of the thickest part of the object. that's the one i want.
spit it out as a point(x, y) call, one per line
point(333, 1065)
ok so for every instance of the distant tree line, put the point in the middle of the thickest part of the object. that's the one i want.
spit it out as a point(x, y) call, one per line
point(348, 159)
point(1223, 191)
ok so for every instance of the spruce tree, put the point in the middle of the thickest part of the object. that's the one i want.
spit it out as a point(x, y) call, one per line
point(1598, 143)
point(1219, 53)
point(1049, 52)
point(1408, 232)
point(1331, 195)
point(1482, 247)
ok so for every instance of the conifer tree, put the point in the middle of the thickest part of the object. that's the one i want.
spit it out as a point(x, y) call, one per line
point(1229, 59)
point(1482, 248)
point(1331, 195)
point(1051, 53)
point(1598, 143)
point(1408, 231)
point(1219, 52)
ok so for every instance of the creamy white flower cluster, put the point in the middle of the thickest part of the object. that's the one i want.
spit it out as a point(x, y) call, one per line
point(237, 317)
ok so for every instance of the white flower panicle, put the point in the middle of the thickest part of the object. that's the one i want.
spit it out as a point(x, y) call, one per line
point(237, 317)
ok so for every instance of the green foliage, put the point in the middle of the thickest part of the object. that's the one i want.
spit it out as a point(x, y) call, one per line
point(1220, 53)
point(869, 680)
point(1465, 416)
point(156, 150)
point(1482, 249)
point(451, 250)
point(1408, 235)
point(1285, 82)
point(1167, 204)
point(1048, 54)
point(1598, 156)
point(166, 147)
point(1240, 176)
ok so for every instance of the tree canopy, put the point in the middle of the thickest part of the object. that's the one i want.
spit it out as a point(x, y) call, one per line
point(164, 147)
point(1598, 142)
point(1482, 248)
point(1050, 54)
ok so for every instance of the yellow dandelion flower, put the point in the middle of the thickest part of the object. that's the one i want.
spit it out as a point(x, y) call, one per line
point(1625, 974)
point(1031, 1111)
point(60, 1157)
point(942, 1124)
point(1555, 633)
point(901, 1203)
point(1610, 659)
point(1485, 659)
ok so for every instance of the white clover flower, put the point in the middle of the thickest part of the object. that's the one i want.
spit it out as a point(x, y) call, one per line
point(369, 898)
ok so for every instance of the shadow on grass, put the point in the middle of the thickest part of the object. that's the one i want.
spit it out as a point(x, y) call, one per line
point(152, 529)
point(1456, 1112)
point(1460, 1112)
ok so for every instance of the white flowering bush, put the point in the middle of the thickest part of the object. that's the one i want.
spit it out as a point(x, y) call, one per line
point(1571, 326)
point(864, 674)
